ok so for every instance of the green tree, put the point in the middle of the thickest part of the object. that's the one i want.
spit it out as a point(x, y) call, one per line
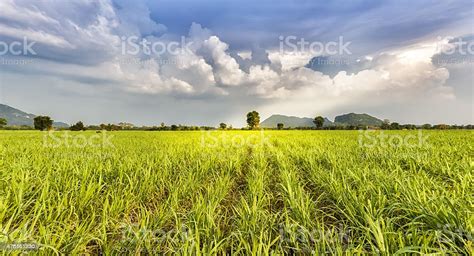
point(385, 124)
point(280, 126)
point(426, 126)
point(395, 126)
point(3, 122)
point(319, 122)
point(253, 119)
point(79, 126)
point(441, 127)
point(223, 126)
point(43, 123)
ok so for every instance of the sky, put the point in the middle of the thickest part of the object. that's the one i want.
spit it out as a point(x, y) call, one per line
point(207, 62)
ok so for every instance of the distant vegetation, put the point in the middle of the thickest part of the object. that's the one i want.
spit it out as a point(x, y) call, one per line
point(3, 122)
point(253, 119)
point(14, 119)
point(318, 122)
point(351, 121)
point(79, 126)
point(43, 123)
point(291, 121)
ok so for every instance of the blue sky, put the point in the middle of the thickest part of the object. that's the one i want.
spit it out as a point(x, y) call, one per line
point(236, 62)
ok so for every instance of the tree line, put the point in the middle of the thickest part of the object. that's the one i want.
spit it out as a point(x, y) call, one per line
point(253, 122)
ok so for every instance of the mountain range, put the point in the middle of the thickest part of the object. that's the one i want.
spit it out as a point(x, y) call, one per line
point(343, 120)
point(357, 119)
point(16, 117)
point(291, 121)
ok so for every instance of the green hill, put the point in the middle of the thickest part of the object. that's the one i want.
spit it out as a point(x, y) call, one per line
point(16, 117)
point(290, 121)
point(342, 120)
point(357, 119)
